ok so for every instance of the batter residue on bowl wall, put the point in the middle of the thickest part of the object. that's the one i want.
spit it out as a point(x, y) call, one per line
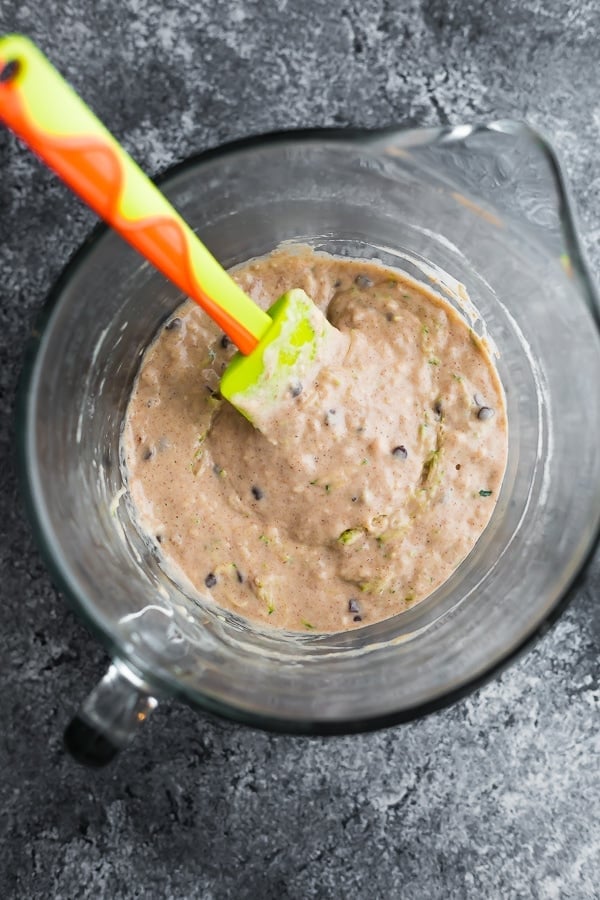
point(372, 489)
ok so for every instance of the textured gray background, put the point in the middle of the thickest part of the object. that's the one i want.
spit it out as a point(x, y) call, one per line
point(498, 797)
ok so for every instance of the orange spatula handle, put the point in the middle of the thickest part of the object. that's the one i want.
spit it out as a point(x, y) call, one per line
point(41, 108)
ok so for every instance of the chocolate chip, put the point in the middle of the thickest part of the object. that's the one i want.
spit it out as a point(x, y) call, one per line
point(457, 467)
point(353, 606)
point(210, 580)
point(174, 324)
point(159, 538)
point(400, 452)
point(485, 413)
point(225, 342)
point(354, 499)
point(10, 71)
point(357, 619)
point(257, 493)
point(296, 389)
point(363, 281)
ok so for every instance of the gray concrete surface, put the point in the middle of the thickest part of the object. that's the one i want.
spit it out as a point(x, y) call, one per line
point(498, 797)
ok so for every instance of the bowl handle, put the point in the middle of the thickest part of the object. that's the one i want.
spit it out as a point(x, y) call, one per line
point(109, 717)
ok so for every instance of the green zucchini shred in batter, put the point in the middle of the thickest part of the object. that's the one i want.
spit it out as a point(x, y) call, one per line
point(350, 535)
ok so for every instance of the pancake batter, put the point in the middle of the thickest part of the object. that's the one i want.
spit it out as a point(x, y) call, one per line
point(375, 481)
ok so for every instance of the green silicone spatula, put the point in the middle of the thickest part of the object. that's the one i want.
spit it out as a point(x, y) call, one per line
point(278, 349)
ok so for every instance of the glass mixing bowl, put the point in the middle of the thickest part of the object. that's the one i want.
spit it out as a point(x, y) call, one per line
point(484, 206)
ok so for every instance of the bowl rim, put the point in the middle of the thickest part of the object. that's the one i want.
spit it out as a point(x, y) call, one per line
point(166, 685)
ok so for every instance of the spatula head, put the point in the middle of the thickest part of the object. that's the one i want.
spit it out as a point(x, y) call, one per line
point(284, 362)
